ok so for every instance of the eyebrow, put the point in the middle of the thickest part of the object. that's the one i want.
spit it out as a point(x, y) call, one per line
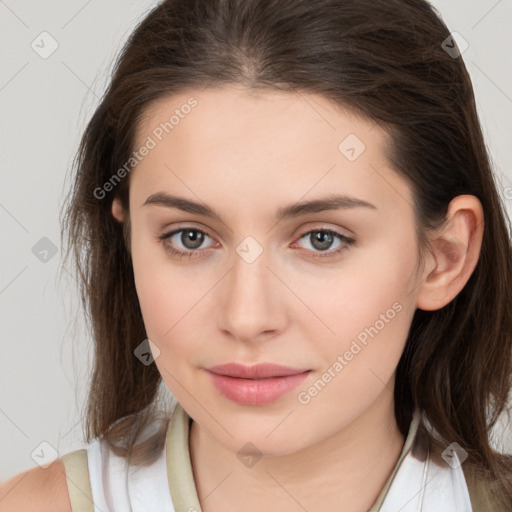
point(331, 202)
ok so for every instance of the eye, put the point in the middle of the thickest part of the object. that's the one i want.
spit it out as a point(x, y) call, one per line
point(190, 238)
point(321, 240)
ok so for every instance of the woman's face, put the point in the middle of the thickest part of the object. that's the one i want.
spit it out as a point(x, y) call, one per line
point(328, 290)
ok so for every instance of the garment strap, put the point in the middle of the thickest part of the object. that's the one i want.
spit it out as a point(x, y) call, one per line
point(405, 450)
point(427, 482)
point(77, 478)
point(101, 481)
point(460, 485)
point(179, 468)
point(483, 494)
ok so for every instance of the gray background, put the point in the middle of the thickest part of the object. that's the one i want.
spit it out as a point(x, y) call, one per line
point(44, 106)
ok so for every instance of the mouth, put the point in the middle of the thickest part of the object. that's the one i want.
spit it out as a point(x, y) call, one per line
point(255, 385)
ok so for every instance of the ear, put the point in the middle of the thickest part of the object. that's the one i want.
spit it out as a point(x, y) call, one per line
point(118, 210)
point(456, 249)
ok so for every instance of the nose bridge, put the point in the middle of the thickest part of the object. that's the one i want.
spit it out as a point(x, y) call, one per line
point(249, 306)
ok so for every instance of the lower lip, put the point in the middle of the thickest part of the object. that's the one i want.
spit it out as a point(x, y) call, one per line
point(256, 391)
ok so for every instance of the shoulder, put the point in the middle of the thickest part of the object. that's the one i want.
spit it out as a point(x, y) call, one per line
point(37, 490)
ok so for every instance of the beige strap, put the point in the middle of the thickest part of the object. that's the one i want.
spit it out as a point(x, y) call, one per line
point(179, 467)
point(181, 478)
point(483, 494)
point(77, 478)
point(405, 450)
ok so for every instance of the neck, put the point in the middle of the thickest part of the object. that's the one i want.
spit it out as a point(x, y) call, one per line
point(350, 468)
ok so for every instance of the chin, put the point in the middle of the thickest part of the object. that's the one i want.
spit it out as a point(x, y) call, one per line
point(269, 440)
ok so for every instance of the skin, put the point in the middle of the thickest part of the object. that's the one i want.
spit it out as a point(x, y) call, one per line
point(246, 154)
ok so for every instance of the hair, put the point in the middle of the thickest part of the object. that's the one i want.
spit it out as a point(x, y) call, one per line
point(384, 60)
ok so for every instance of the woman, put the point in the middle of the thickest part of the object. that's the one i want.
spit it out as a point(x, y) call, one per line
point(284, 214)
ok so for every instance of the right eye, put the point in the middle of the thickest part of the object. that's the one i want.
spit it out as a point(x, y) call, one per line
point(189, 237)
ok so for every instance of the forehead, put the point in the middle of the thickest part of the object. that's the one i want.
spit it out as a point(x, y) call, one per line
point(264, 146)
point(224, 111)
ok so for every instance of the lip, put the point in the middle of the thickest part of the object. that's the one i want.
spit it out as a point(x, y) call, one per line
point(258, 384)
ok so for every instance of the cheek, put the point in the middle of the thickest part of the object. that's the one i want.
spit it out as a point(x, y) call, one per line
point(155, 283)
point(170, 299)
point(367, 284)
point(371, 318)
point(166, 302)
point(366, 313)
point(167, 309)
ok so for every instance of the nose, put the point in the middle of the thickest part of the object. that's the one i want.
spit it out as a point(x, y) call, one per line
point(252, 304)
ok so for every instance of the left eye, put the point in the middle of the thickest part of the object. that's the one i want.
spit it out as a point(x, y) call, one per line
point(191, 239)
point(322, 240)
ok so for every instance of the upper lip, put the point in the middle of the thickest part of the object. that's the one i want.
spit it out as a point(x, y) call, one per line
point(257, 371)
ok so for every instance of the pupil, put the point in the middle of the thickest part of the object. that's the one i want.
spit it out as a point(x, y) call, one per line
point(324, 239)
point(195, 236)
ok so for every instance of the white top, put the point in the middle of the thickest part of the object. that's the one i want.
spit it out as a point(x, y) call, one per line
point(100, 481)
point(118, 488)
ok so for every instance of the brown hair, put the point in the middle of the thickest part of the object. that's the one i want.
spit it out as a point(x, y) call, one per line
point(381, 58)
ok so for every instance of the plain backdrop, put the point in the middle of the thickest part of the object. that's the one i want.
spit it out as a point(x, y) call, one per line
point(45, 102)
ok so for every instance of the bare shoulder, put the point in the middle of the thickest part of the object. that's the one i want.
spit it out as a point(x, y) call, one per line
point(36, 490)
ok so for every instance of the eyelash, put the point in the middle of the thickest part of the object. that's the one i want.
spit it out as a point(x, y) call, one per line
point(192, 253)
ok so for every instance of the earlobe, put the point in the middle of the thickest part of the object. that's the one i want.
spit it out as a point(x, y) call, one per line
point(455, 253)
point(117, 210)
